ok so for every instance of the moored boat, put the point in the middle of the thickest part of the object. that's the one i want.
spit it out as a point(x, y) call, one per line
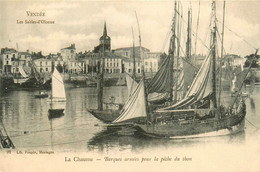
point(58, 96)
point(200, 113)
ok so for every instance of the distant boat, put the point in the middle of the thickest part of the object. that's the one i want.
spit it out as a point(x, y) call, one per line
point(42, 94)
point(58, 96)
point(23, 78)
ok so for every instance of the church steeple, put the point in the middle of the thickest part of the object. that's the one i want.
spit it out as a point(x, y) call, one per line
point(105, 39)
point(105, 29)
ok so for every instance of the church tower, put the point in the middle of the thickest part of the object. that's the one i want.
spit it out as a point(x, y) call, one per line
point(105, 39)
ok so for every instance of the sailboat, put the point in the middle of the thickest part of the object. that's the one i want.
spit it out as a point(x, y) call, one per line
point(58, 96)
point(199, 114)
point(22, 78)
point(112, 111)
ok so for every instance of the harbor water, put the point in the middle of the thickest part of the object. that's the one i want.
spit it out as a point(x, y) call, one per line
point(26, 121)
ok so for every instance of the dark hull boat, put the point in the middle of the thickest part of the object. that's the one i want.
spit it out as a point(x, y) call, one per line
point(41, 96)
point(106, 116)
point(193, 127)
point(200, 113)
point(55, 113)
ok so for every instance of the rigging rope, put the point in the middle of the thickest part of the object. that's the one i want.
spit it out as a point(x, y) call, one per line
point(239, 37)
point(252, 124)
point(194, 34)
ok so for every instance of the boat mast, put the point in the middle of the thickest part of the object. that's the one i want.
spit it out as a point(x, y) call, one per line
point(142, 69)
point(222, 50)
point(171, 51)
point(134, 68)
point(101, 74)
point(198, 19)
point(188, 43)
point(214, 41)
point(177, 54)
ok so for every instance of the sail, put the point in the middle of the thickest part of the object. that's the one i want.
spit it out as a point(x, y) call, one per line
point(58, 90)
point(131, 84)
point(22, 72)
point(135, 106)
point(161, 81)
point(200, 88)
point(180, 86)
point(189, 74)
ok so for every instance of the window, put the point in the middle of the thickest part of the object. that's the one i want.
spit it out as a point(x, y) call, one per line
point(139, 71)
point(146, 63)
point(40, 63)
point(46, 69)
point(41, 70)
point(7, 62)
point(46, 63)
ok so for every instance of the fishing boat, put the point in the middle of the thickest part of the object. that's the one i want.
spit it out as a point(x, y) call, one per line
point(106, 112)
point(42, 94)
point(58, 96)
point(199, 114)
point(6, 142)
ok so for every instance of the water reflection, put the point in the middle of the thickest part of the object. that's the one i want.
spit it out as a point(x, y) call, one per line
point(26, 119)
point(252, 105)
point(107, 140)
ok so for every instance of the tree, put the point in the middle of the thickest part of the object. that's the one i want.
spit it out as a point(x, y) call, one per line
point(254, 63)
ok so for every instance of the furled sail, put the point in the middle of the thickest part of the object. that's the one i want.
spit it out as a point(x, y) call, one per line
point(161, 82)
point(131, 84)
point(180, 86)
point(135, 105)
point(189, 72)
point(58, 90)
point(200, 88)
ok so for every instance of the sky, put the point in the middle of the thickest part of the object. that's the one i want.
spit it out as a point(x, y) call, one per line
point(81, 22)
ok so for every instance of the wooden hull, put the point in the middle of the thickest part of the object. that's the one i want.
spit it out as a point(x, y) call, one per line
point(55, 113)
point(106, 116)
point(195, 128)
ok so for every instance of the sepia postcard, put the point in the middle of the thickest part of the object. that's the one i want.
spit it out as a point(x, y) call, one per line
point(127, 85)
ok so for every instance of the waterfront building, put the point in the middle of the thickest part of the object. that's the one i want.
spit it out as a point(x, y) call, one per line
point(129, 52)
point(43, 65)
point(91, 61)
point(6, 57)
point(113, 63)
point(151, 62)
point(75, 66)
point(129, 66)
point(68, 53)
point(235, 60)
point(23, 60)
